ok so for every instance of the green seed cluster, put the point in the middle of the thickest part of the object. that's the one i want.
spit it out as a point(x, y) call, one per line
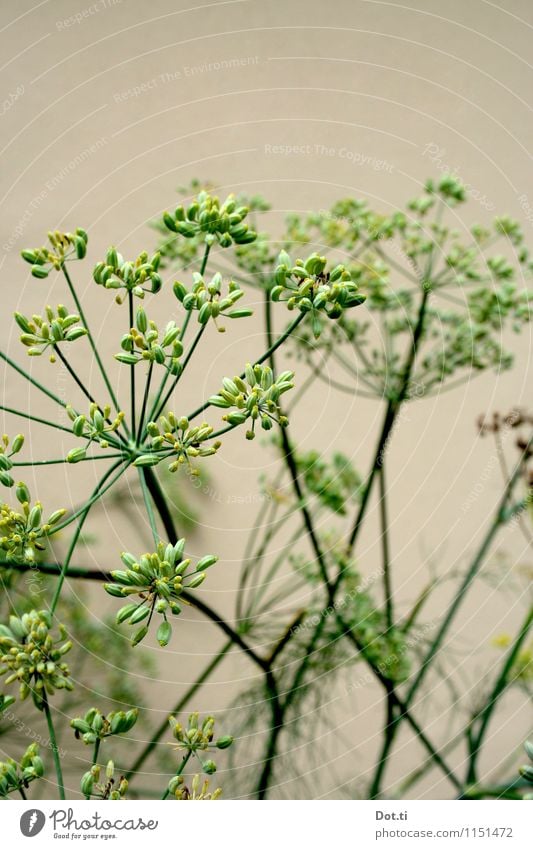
point(103, 784)
point(6, 453)
point(95, 726)
point(93, 428)
point(311, 288)
point(31, 655)
point(22, 533)
point(199, 790)
point(64, 247)
point(159, 580)
point(42, 332)
point(138, 276)
point(182, 441)
point(144, 343)
point(18, 775)
point(216, 221)
point(198, 737)
point(255, 397)
point(206, 299)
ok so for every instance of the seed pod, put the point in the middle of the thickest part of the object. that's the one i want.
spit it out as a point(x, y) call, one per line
point(224, 742)
point(206, 562)
point(39, 271)
point(23, 494)
point(164, 633)
point(76, 455)
point(139, 636)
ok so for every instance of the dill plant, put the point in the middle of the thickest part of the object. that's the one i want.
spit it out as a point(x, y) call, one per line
point(440, 300)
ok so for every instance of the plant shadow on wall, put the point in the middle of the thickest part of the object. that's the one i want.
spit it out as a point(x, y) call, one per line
point(398, 306)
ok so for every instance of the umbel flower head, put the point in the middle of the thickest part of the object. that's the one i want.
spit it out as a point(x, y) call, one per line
point(95, 726)
point(17, 775)
point(42, 332)
point(159, 580)
point(206, 299)
point(93, 428)
point(138, 276)
point(6, 453)
point(199, 790)
point(198, 737)
point(103, 784)
point(64, 247)
point(144, 343)
point(22, 533)
point(31, 655)
point(217, 222)
point(310, 287)
point(183, 442)
point(255, 396)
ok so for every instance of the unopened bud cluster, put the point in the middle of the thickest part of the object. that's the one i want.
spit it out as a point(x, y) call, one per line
point(93, 428)
point(145, 343)
point(311, 288)
point(256, 397)
point(216, 221)
point(8, 451)
point(159, 579)
point(33, 657)
point(198, 737)
point(22, 533)
point(64, 246)
point(138, 276)
point(17, 775)
point(95, 726)
point(42, 332)
point(198, 791)
point(101, 783)
point(206, 299)
point(184, 442)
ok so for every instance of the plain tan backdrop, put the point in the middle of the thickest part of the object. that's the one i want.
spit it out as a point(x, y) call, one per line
point(107, 108)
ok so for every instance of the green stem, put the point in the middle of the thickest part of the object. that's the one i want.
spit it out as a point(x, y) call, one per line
point(387, 583)
point(391, 412)
point(502, 682)
point(145, 401)
point(178, 772)
point(176, 380)
point(31, 418)
point(156, 737)
point(63, 460)
point(149, 508)
point(53, 744)
point(87, 394)
point(91, 339)
point(161, 505)
point(281, 339)
point(32, 380)
point(95, 758)
point(83, 513)
point(132, 367)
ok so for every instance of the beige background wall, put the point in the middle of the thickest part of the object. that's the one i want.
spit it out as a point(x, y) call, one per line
point(108, 108)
